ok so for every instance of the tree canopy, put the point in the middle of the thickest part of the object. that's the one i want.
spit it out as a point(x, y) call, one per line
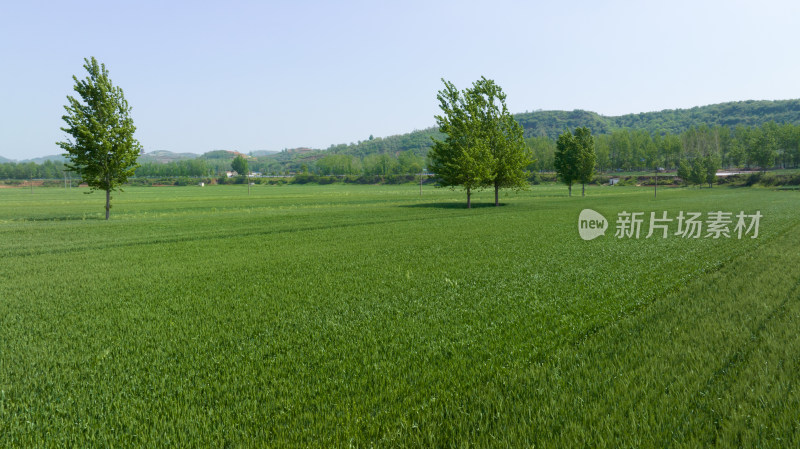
point(504, 136)
point(586, 157)
point(463, 158)
point(484, 145)
point(102, 149)
point(567, 159)
point(239, 165)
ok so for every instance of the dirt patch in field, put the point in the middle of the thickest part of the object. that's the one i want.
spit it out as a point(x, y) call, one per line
point(27, 184)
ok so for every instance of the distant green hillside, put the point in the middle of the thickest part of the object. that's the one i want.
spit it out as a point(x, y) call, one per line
point(226, 155)
point(675, 121)
point(417, 141)
point(258, 153)
point(36, 160)
point(552, 123)
point(42, 160)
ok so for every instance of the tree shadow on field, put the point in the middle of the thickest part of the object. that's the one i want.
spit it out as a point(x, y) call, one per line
point(73, 217)
point(451, 205)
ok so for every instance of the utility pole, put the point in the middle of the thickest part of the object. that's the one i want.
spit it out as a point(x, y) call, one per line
point(655, 191)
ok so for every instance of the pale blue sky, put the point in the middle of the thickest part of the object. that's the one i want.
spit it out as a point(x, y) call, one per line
point(271, 75)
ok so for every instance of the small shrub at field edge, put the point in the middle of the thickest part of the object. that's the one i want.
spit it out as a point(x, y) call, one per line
point(627, 181)
point(322, 180)
point(12, 182)
point(768, 179)
point(304, 178)
point(272, 181)
point(548, 177)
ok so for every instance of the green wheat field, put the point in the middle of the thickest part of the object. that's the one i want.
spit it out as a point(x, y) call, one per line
point(373, 316)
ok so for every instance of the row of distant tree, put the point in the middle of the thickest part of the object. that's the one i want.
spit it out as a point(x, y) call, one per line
point(31, 170)
point(575, 160)
point(767, 146)
point(406, 162)
point(701, 170)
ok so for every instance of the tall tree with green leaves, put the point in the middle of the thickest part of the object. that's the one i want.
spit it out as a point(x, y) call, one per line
point(684, 171)
point(586, 156)
point(463, 158)
point(711, 165)
point(567, 159)
point(762, 147)
point(410, 162)
point(239, 165)
point(102, 150)
point(503, 135)
point(698, 173)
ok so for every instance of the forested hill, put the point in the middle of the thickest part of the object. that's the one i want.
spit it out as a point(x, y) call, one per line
point(674, 121)
point(553, 123)
point(418, 141)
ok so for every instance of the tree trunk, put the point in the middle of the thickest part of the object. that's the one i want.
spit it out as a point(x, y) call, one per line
point(108, 202)
point(570, 190)
point(469, 204)
point(496, 195)
point(583, 189)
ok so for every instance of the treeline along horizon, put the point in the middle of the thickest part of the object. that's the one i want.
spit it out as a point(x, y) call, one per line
point(749, 134)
